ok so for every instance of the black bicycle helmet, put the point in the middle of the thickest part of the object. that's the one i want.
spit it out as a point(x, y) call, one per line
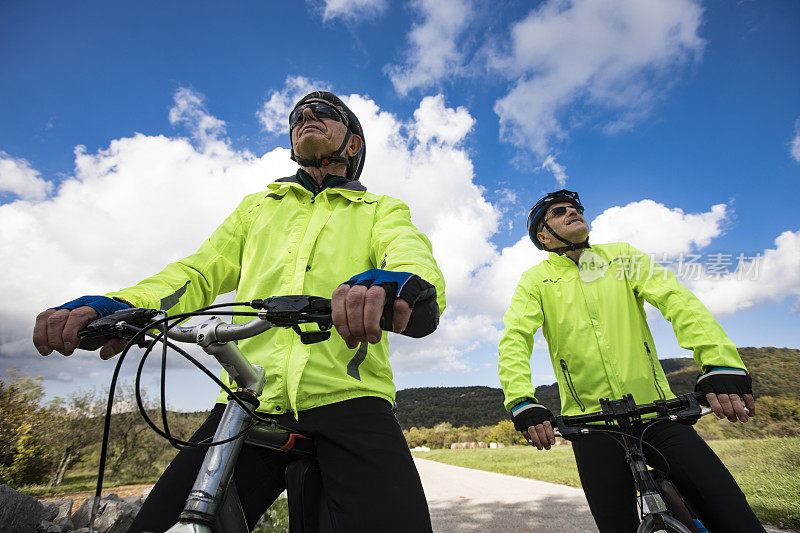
point(539, 210)
point(354, 164)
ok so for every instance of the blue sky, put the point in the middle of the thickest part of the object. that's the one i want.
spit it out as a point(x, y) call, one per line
point(117, 119)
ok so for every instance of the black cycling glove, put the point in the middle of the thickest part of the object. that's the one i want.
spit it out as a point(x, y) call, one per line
point(528, 414)
point(724, 380)
point(419, 294)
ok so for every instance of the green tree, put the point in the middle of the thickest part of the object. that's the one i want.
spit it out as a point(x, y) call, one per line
point(72, 423)
point(23, 456)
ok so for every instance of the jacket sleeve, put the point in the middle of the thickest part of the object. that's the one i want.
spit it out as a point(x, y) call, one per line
point(522, 319)
point(196, 280)
point(695, 327)
point(399, 246)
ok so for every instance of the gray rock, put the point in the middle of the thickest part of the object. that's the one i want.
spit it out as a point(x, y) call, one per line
point(43, 525)
point(135, 502)
point(146, 493)
point(80, 530)
point(64, 508)
point(81, 517)
point(54, 528)
point(117, 517)
point(65, 523)
point(50, 511)
point(19, 512)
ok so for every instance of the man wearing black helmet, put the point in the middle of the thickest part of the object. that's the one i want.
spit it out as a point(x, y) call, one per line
point(318, 232)
point(588, 300)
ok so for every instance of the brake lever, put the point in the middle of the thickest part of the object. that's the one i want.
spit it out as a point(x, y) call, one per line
point(102, 330)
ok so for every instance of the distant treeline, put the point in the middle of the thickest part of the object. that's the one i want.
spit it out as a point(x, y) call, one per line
point(40, 442)
point(775, 371)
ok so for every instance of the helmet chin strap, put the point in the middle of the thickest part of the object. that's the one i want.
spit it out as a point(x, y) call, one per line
point(569, 245)
point(335, 157)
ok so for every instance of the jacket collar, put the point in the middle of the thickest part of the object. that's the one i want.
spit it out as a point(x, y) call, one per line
point(561, 260)
point(303, 179)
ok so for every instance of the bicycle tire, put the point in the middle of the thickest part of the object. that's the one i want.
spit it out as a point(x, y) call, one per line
point(676, 505)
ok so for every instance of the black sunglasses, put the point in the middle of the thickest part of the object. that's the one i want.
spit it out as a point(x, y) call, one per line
point(320, 111)
point(562, 210)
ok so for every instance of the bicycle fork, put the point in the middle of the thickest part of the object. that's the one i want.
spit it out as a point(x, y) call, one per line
point(655, 513)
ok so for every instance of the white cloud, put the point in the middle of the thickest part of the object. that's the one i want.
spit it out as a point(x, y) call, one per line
point(190, 111)
point(352, 9)
point(496, 280)
point(770, 277)
point(274, 113)
point(613, 56)
point(794, 148)
point(657, 229)
point(559, 171)
point(20, 179)
point(435, 121)
point(434, 52)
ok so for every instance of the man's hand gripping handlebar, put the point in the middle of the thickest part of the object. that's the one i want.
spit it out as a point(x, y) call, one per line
point(279, 311)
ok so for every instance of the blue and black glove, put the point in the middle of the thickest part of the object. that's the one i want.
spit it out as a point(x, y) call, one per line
point(418, 293)
point(724, 380)
point(529, 414)
point(102, 304)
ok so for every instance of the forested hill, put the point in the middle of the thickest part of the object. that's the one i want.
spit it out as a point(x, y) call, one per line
point(775, 371)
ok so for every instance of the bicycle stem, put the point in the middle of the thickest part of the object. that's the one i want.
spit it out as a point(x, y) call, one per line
point(214, 336)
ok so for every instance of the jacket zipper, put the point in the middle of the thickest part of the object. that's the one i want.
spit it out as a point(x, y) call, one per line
point(571, 386)
point(655, 375)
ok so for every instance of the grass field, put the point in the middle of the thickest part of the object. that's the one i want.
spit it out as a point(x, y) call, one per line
point(767, 470)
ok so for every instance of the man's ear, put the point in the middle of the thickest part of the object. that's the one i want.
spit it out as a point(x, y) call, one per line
point(544, 238)
point(353, 145)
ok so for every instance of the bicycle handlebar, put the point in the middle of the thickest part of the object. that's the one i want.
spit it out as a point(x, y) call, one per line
point(622, 409)
point(279, 311)
point(624, 412)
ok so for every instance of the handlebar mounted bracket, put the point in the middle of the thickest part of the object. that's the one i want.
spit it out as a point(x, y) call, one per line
point(289, 311)
point(620, 412)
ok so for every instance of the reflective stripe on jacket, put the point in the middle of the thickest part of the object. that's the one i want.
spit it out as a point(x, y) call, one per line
point(287, 241)
point(594, 322)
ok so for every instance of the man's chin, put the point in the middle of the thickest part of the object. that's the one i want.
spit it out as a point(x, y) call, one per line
point(311, 148)
point(577, 236)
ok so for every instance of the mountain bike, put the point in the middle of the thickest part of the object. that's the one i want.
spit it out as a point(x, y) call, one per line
point(213, 503)
point(661, 507)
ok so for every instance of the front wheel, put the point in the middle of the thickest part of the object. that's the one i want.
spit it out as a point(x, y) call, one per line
point(664, 523)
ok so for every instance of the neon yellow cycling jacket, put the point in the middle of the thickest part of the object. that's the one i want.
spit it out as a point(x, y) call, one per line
point(286, 241)
point(594, 322)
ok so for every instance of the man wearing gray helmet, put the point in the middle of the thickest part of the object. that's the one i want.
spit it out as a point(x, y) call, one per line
point(318, 232)
point(588, 301)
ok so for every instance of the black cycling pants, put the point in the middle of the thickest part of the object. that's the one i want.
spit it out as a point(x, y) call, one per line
point(694, 468)
point(367, 471)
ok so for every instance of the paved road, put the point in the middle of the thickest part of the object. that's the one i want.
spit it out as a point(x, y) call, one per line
point(462, 499)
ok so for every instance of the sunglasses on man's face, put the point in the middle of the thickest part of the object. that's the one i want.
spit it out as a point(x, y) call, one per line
point(561, 210)
point(320, 111)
